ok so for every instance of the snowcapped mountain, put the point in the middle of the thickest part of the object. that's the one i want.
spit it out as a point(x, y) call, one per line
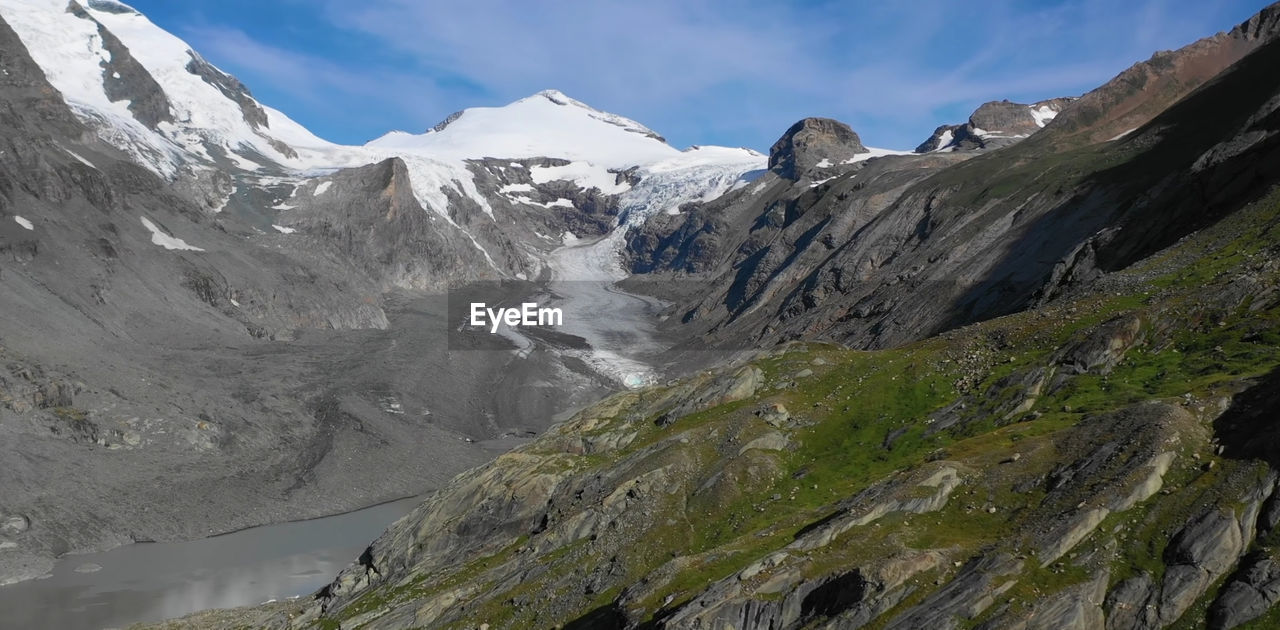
point(598, 145)
point(144, 90)
point(151, 207)
point(547, 124)
point(494, 174)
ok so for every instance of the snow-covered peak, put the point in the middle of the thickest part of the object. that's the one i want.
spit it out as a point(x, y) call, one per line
point(559, 98)
point(546, 124)
point(144, 89)
point(146, 92)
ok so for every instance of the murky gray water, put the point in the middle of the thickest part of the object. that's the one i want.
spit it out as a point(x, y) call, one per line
point(157, 581)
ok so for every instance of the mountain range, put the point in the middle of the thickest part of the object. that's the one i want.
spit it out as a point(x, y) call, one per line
point(1023, 376)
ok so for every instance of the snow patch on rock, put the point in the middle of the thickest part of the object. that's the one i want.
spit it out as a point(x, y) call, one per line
point(159, 237)
point(1043, 114)
point(79, 157)
point(1122, 134)
point(515, 188)
point(584, 174)
point(873, 152)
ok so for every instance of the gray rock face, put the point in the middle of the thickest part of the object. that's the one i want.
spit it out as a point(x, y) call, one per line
point(14, 525)
point(372, 218)
point(1253, 590)
point(126, 80)
point(1077, 607)
point(230, 87)
point(1129, 604)
point(690, 242)
point(811, 141)
point(1201, 552)
point(1104, 348)
point(1004, 117)
point(900, 248)
point(993, 125)
point(111, 6)
point(448, 120)
point(1211, 542)
point(943, 137)
point(965, 597)
point(728, 387)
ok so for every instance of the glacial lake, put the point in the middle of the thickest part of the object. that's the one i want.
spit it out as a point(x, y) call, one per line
point(149, 582)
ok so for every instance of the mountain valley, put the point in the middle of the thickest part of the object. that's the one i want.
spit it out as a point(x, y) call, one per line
point(1023, 376)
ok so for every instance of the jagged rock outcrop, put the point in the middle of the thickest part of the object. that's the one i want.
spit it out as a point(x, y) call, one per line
point(811, 142)
point(1250, 593)
point(124, 79)
point(995, 124)
point(230, 87)
point(372, 218)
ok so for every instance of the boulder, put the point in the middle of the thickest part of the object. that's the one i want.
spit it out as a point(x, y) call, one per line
point(775, 414)
point(1253, 590)
point(14, 525)
point(1104, 348)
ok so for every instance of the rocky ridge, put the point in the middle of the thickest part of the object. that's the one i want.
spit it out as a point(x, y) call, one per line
point(993, 125)
point(1081, 465)
point(893, 248)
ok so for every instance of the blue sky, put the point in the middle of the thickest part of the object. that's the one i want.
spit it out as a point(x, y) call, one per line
point(731, 72)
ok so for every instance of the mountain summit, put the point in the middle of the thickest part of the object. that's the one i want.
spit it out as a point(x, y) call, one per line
point(995, 124)
point(546, 124)
point(146, 91)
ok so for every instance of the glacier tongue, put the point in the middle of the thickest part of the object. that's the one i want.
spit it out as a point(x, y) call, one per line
point(698, 174)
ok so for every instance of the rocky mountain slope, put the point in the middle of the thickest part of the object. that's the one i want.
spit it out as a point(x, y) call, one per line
point(1133, 98)
point(1062, 417)
point(1050, 405)
point(200, 291)
point(1103, 461)
point(136, 346)
point(889, 250)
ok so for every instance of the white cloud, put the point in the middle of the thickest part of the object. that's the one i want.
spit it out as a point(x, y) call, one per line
point(720, 70)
